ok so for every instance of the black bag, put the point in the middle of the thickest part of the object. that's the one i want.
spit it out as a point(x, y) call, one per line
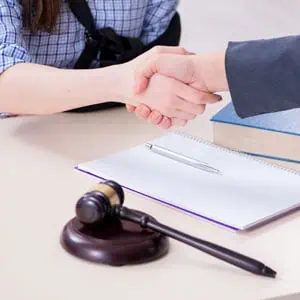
point(112, 49)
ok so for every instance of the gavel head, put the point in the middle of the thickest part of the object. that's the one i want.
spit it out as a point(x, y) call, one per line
point(99, 203)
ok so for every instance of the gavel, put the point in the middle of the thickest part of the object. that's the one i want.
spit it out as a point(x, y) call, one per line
point(105, 201)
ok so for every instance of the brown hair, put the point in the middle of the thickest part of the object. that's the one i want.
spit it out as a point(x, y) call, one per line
point(41, 15)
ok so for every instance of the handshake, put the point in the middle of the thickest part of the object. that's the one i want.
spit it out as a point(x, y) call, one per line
point(173, 86)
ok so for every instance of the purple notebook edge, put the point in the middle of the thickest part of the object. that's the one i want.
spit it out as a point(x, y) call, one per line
point(163, 202)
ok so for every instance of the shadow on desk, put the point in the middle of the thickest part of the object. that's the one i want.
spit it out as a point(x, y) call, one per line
point(86, 136)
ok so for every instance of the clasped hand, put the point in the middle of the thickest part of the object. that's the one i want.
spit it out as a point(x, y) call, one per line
point(170, 87)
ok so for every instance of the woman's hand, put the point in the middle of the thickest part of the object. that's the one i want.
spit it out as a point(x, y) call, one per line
point(144, 112)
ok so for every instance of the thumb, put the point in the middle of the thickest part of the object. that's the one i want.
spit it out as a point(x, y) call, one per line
point(152, 65)
point(141, 83)
point(178, 67)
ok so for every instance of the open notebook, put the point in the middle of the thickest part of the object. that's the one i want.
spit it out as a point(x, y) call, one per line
point(249, 191)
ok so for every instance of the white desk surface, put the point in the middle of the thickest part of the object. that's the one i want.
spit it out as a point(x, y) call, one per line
point(39, 189)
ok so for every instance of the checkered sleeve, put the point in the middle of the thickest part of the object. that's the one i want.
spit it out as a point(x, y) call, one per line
point(12, 45)
point(158, 17)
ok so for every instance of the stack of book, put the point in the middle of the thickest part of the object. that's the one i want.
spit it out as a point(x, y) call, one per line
point(274, 136)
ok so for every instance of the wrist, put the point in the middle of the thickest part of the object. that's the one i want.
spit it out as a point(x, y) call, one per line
point(123, 83)
point(114, 83)
point(213, 72)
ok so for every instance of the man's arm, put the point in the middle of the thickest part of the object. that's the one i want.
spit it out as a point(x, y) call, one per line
point(264, 75)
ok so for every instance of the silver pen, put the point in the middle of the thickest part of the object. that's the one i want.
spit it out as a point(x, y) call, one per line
point(182, 158)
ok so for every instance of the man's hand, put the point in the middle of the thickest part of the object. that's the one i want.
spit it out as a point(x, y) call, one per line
point(174, 100)
point(204, 73)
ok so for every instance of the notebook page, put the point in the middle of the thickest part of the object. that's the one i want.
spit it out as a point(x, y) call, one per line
point(247, 192)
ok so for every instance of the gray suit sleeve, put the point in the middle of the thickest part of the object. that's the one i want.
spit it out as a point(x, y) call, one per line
point(264, 75)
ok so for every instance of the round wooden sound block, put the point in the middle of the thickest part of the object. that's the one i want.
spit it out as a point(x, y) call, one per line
point(115, 242)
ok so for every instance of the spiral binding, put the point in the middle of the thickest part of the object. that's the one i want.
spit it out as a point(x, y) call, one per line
point(208, 143)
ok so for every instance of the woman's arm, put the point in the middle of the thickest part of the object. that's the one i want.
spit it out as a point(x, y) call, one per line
point(27, 88)
point(34, 89)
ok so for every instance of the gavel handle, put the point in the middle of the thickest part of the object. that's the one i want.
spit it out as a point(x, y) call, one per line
point(214, 250)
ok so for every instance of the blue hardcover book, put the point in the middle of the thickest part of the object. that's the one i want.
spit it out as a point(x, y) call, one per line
point(274, 135)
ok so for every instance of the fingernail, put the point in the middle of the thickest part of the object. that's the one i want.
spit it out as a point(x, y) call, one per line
point(166, 123)
point(144, 112)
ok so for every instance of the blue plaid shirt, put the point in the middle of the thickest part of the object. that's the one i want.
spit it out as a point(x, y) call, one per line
point(146, 19)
